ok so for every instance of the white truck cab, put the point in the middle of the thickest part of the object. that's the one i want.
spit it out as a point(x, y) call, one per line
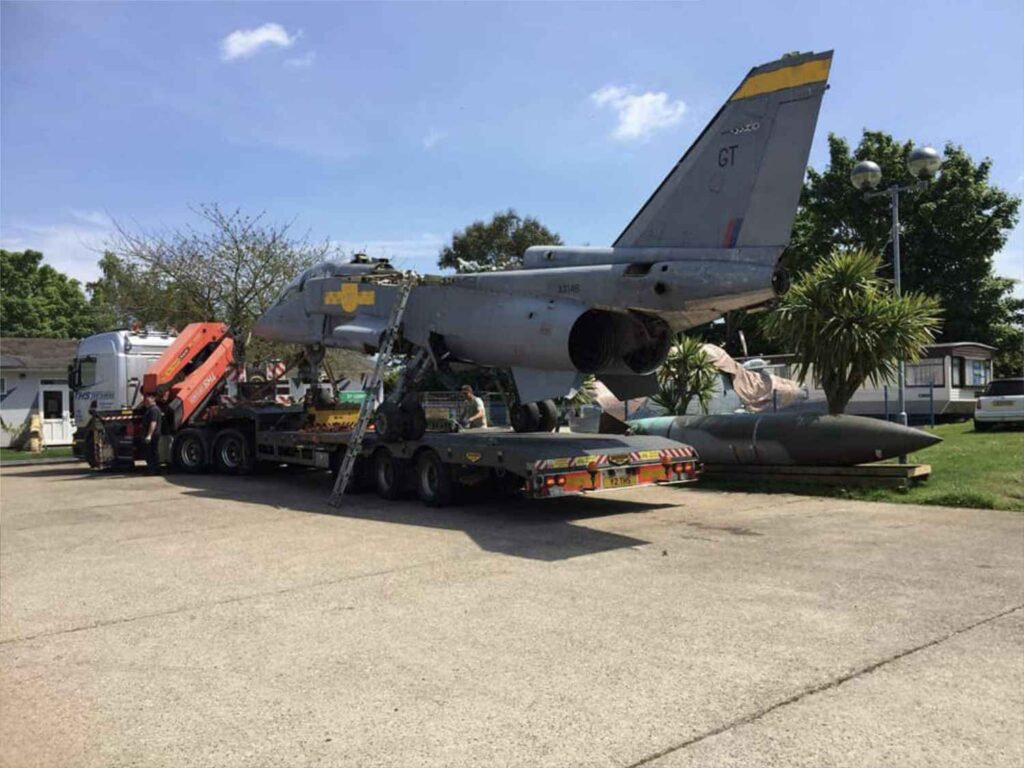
point(107, 370)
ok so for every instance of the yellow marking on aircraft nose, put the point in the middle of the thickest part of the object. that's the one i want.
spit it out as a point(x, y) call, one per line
point(350, 298)
point(814, 71)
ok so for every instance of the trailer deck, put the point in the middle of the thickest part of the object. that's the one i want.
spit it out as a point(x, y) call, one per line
point(553, 464)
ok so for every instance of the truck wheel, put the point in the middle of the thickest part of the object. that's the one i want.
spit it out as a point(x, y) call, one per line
point(548, 421)
point(434, 484)
point(525, 417)
point(414, 421)
point(388, 422)
point(232, 453)
point(389, 475)
point(981, 426)
point(189, 452)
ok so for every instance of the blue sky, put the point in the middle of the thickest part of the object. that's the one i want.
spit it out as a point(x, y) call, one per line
point(387, 126)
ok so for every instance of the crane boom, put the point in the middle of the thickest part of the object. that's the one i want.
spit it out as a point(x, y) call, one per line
point(187, 373)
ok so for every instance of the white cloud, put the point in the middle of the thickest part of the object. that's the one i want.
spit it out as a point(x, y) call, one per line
point(639, 114)
point(301, 62)
point(73, 249)
point(432, 139)
point(95, 218)
point(243, 43)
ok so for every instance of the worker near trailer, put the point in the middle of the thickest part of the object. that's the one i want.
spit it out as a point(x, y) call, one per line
point(151, 422)
point(472, 414)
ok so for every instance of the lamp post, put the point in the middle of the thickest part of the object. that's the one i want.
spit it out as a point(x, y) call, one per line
point(923, 164)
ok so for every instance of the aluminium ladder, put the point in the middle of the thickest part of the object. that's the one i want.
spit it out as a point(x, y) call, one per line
point(370, 386)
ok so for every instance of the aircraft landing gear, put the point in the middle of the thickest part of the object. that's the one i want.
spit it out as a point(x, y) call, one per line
point(400, 421)
point(401, 415)
point(541, 416)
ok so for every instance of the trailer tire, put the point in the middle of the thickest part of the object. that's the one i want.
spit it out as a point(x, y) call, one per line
point(389, 475)
point(434, 483)
point(548, 421)
point(414, 420)
point(232, 453)
point(525, 417)
point(389, 422)
point(189, 452)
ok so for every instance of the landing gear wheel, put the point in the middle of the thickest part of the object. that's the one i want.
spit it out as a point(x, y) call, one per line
point(548, 421)
point(189, 452)
point(232, 453)
point(525, 417)
point(414, 419)
point(388, 421)
point(434, 484)
point(389, 475)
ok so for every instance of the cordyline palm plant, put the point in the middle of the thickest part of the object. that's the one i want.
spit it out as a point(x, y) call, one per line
point(687, 373)
point(846, 322)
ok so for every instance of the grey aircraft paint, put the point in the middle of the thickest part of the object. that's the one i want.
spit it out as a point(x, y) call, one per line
point(785, 439)
point(708, 241)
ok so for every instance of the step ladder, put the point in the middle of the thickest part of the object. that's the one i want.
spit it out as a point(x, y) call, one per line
point(370, 386)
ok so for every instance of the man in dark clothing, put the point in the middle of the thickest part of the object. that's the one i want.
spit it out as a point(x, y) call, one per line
point(151, 422)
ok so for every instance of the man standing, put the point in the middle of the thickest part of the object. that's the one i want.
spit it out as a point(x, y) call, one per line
point(151, 423)
point(471, 414)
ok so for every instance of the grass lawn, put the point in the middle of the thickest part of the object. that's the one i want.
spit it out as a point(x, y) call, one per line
point(969, 469)
point(61, 452)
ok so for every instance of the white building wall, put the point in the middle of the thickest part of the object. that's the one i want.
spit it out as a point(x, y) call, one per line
point(19, 399)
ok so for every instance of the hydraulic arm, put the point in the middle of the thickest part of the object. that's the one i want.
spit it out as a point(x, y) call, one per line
point(189, 371)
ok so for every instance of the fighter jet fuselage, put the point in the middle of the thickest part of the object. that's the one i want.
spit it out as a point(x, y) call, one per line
point(708, 241)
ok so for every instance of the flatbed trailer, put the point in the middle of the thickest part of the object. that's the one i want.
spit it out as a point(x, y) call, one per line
point(534, 465)
point(205, 430)
point(243, 439)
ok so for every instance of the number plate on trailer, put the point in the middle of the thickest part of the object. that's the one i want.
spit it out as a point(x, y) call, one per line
point(619, 480)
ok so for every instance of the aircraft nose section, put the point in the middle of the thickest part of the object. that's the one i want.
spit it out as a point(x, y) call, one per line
point(264, 325)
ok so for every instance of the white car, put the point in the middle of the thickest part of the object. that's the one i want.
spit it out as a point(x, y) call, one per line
point(1002, 402)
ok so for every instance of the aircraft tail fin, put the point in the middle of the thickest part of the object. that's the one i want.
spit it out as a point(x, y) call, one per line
point(739, 183)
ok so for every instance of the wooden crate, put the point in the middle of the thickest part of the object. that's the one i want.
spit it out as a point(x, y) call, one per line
point(870, 475)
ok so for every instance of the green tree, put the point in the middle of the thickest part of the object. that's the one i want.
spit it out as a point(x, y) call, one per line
point(844, 319)
point(496, 244)
point(37, 300)
point(127, 292)
point(686, 374)
point(951, 231)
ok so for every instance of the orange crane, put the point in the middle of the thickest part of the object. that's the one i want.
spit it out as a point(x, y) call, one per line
point(188, 372)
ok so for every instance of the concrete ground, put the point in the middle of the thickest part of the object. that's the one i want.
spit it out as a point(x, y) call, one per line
point(210, 621)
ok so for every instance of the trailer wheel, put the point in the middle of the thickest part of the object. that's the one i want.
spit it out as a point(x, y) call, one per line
point(414, 420)
point(189, 451)
point(548, 421)
point(232, 453)
point(389, 475)
point(434, 484)
point(525, 417)
point(388, 422)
